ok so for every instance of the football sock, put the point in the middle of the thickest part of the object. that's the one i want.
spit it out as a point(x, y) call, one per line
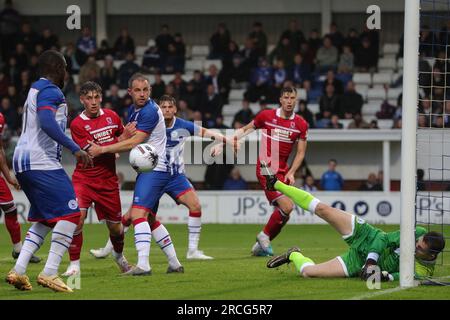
point(303, 199)
point(117, 242)
point(142, 240)
point(276, 222)
point(12, 225)
point(75, 246)
point(62, 237)
point(194, 229)
point(300, 261)
point(33, 241)
point(162, 238)
point(126, 222)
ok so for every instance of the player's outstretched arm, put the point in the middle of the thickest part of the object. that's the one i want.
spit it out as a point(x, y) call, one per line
point(126, 145)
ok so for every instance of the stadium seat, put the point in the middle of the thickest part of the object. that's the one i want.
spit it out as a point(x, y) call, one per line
point(345, 123)
point(270, 48)
point(228, 120)
point(151, 43)
point(390, 48)
point(393, 93)
point(75, 78)
point(362, 90)
point(193, 64)
point(399, 63)
point(230, 109)
point(100, 63)
point(122, 92)
point(387, 63)
point(140, 50)
point(370, 109)
point(382, 78)
point(200, 50)
point(313, 107)
point(362, 78)
point(255, 107)
point(167, 78)
point(236, 94)
point(207, 63)
point(187, 76)
point(376, 94)
point(385, 123)
point(301, 94)
point(118, 63)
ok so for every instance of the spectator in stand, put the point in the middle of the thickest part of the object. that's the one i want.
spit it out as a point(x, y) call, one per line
point(337, 84)
point(373, 124)
point(309, 184)
point(12, 71)
point(427, 42)
point(280, 76)
point(214, 79)
point(245, 115)
point(261, 81)
point(300, 71)
point(21, 56)
point(350, 103)
point(314, 41)
point(352, 40)
point(233, 76)
point(162, 42)
point(219, 42)
point(294, 34)
point(328, 103)
point(211, 103)
point(259, 38)
point(337, 39)
point(358, 122)
point(346, 60)
point(158, 87)
point(73, 67)
point(126, 70)
point(334, 122)
point(9, 111)
point(235, 181)
point(115, 99)
point(423, 121)
point(219, 123)
point(28, 37)
point(262, 104)
point(305, 113)
point(374, 38)
point(191, 96)
point(174, 61)
point(108, 73)
point(199, 82)
point(104, 50)
point(397, 124)
point(126, 102)
point(151, 61)
point(86, 43)
point(238, 125)
point(179, 85)
point(4, 83)
point(13, 96)
point(365, 60)
point(371, 184)
point(24, 86)
point(90, 71)
point(230, 53)
point(283, 51)
point(438, 122)
point(331, 179)
point(124, 44)
point(9, 27)
point(387, 111)
point(249, 55)
point(447, 114)
point(180, 47)
point(183, 111)
point(327, 56)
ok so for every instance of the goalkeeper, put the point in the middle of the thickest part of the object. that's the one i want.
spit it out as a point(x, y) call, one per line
point(368, 246)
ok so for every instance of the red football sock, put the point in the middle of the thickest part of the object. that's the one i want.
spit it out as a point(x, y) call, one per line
point(75, 246)
point(13, 226)
point(276, 222)
point(155, 225)
point(117, 242)
point(126, 222)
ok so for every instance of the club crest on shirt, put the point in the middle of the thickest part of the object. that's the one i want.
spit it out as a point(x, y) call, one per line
point(87, 127)
point(109, 120)
point(292, 125)
point(73, 204)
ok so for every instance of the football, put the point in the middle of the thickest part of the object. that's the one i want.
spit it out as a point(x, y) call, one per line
point(143, 158)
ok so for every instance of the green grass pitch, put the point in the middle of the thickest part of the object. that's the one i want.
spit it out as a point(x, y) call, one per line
point(233, 274)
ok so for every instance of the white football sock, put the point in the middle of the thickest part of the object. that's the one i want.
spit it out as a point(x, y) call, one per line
point(142, 240)
point(62, 236)
point(33, 241)
point(194, 228)
point(162, 238)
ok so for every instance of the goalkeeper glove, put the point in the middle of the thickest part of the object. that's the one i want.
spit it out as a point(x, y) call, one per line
point(365, 274)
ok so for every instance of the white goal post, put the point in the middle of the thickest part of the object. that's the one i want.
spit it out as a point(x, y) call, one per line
point(408, 149)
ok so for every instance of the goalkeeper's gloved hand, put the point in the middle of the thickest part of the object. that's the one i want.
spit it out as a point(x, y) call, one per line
point(365, 273)
point(386, 276)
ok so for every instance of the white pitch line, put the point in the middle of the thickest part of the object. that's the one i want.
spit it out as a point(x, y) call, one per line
point(377, 293)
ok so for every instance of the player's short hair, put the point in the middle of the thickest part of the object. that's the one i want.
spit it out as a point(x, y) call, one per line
point(89, 86)
point(168, 98)
point(49, 63)
point(288, 89)
point(435, 242)
point(137, 76)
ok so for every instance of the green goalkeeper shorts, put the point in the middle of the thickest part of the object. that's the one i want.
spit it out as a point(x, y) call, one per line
point(353, 260)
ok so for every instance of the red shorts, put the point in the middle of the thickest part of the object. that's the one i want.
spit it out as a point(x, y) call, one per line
point(5, 194)
point(107, 202)
point(272, 196)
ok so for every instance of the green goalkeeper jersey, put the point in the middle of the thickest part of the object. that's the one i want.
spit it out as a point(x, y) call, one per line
point(389, 260)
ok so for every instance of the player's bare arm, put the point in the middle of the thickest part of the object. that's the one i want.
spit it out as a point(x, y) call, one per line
point(128, 131)
point(5, 169)
point(296, 163)
point(126, 145)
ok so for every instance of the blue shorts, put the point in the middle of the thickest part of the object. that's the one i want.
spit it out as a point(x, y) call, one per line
point(50, 193)
point(151, 186)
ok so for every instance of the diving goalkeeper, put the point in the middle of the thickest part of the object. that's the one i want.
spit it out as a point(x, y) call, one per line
point(368, 246)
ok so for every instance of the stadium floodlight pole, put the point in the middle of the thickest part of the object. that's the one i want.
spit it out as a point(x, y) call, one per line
point(409, 129)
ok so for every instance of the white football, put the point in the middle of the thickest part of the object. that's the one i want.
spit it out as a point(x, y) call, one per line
point(143, 158)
